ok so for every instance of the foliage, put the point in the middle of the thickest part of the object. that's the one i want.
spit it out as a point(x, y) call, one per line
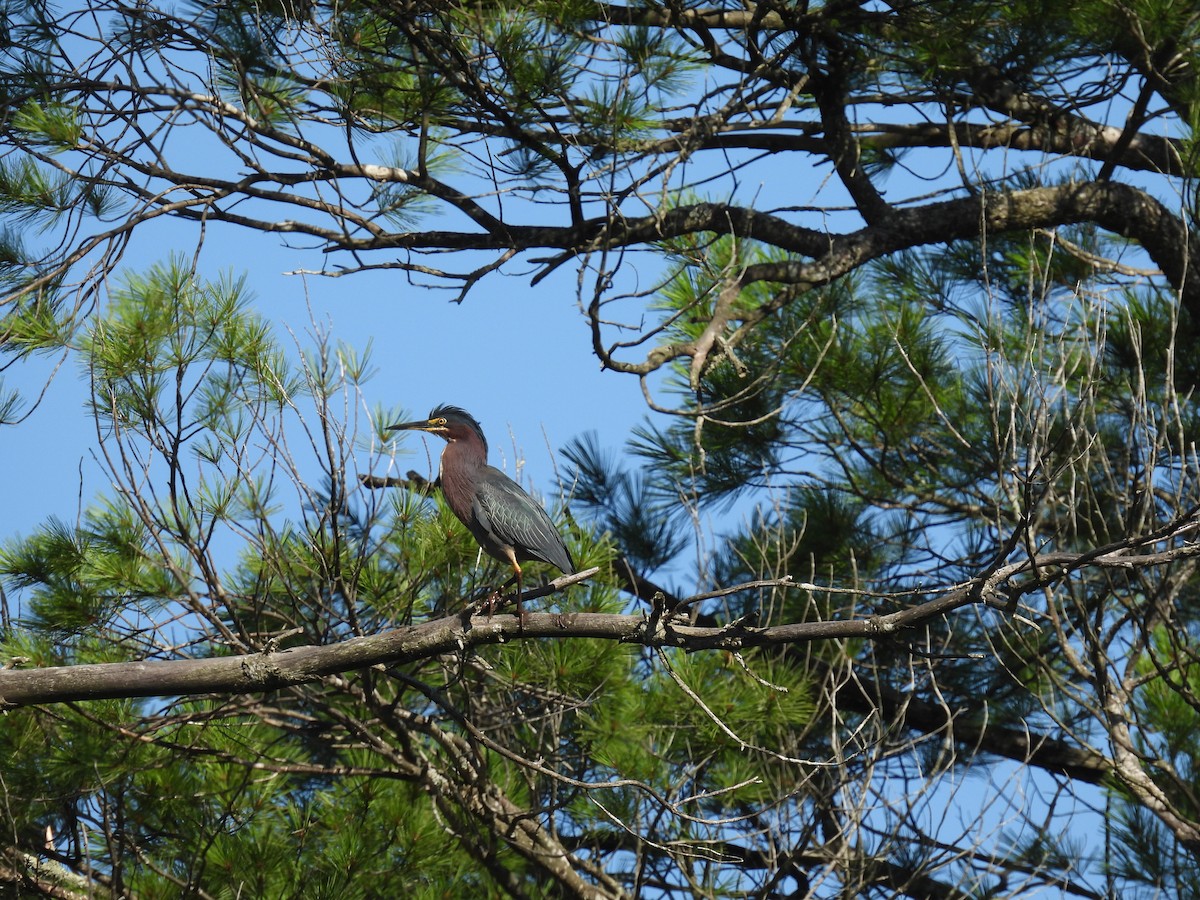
point(911, 292)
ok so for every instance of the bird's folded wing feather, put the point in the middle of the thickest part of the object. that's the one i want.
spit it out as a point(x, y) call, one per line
point(518, 520)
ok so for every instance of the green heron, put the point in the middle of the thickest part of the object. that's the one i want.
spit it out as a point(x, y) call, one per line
point(508, 524)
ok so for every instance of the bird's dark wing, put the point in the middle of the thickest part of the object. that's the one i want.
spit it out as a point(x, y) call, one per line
point(512, 518)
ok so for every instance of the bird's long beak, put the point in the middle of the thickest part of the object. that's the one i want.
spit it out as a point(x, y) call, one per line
point(421, 425)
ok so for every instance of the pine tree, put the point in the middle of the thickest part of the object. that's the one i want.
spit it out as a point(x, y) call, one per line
point(915, 310)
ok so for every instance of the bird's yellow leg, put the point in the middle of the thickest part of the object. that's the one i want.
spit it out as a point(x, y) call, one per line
point(512, 558)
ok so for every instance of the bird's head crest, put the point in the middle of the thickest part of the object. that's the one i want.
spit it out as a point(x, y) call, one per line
point(457, 416)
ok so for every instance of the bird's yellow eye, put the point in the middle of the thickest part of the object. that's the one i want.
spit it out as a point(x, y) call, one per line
point(438, 423)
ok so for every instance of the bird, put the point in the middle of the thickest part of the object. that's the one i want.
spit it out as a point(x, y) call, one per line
point(507, 523)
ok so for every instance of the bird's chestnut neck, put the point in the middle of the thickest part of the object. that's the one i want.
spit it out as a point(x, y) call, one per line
point(466, 453)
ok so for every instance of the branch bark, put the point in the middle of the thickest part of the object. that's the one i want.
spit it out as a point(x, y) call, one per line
point(273, 669)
